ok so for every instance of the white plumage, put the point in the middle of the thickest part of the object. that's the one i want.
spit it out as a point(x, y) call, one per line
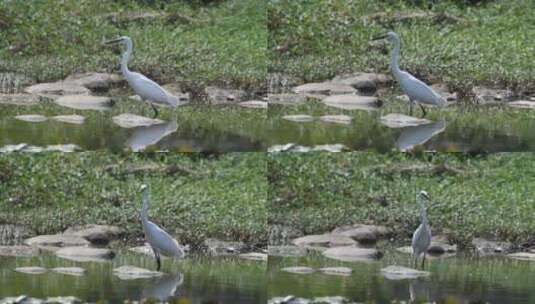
point(147, 89)
point(160, 241)
point(418, 92)
point(421, 239)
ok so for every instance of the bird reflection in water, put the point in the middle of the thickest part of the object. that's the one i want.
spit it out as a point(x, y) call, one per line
point(142, 137)
point(163, 288)
point(418, 135)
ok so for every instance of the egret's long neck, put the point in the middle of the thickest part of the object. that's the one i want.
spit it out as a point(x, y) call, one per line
point(145, 207)
point(126, 56)
point(394, 64)
point(423, 213)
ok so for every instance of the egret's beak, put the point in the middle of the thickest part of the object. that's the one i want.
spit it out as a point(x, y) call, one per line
point(379, 37)
point(113, 41)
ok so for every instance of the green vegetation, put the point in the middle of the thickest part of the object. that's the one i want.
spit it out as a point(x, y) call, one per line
point(221, 196)
point(207, 42)
point(488, 196)
point(461, 45)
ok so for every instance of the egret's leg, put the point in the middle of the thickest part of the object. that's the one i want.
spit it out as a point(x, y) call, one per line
point(155, 110)
point(423, 262)
point(158, 262)
point(157, 256)
point(423, 109)
point(410, 107)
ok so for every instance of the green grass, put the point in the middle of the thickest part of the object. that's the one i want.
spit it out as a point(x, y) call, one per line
point(225, 198)
point(490, 45)
point(221, 42)
point(317, 192)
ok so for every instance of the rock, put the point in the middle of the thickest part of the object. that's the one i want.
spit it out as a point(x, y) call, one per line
point(63, 300)
point(19, 99)
point(218, 96)
point(299, 270)
point(62, 148)
point(298, 118)
point(73, 119)
point(96, 234)
point(272, 149)
point(364, 234)
point(444, 91)
point(526, 256)
point(254, 104)
point(319, 300)
point(522, 104)
point(56, 89)
point(75, 271)
point(56, 240)
point(491, 96)
point(31, 270)
point(324, 240)
point(128, 272)
point(486, 247)
point(145, 249)
point(85, 254)
point(291, 147)
point(395, 120)
point(95, 81)
point(85, 102)
point(401, 273)
point(330, 148)
point(127, 120)
point(352, 102)
point(286, 251)
point(31, 118)
point(342, 271)
point(217, 247)
point(352, 254)
point(286, 99)
point(12, 148)
point(18, 251)
point(256, 256)
point(440, 245)
point(324, 88)
point(339, 119)
point(21, 300)
point(365, 82)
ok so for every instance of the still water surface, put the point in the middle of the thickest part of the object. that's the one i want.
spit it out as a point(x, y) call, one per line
point(453, 280)
point(194, 280)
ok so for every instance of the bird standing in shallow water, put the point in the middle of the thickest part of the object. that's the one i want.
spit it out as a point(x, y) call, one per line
point(418, 92)
point(159, 240)
point(147, 89)
point(421, 239)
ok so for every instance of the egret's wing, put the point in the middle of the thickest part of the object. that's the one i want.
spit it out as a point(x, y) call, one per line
point(416, 236)
point(419, 91)
point(162, 241)
point(152, 91)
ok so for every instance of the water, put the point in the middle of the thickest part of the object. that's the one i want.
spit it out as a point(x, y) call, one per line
point(458, 129)
point(188, 129)
point(453, 280)
point(194, 280)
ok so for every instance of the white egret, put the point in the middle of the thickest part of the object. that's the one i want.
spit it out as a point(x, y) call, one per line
point(421, 239)
point(418, 92)
point(147, 89)
point(159, 240)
